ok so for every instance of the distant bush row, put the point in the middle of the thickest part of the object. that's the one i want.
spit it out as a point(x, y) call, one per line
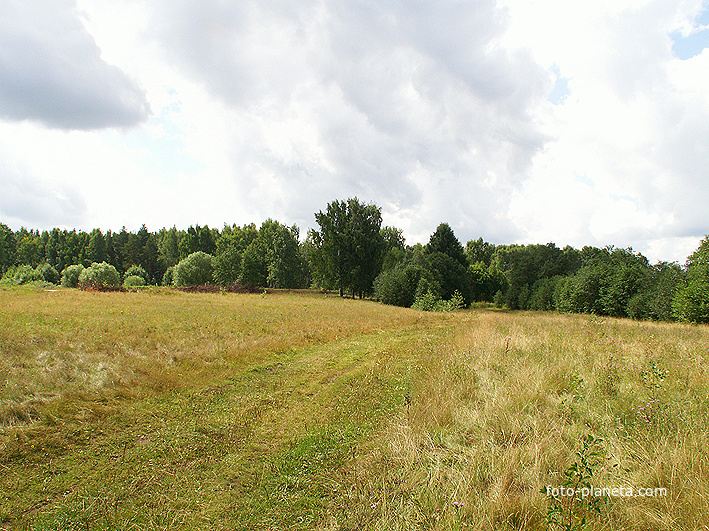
point(351, 252)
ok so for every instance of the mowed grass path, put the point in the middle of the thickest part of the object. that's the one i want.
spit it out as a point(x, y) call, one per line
point(161, 409)
point(165, 410)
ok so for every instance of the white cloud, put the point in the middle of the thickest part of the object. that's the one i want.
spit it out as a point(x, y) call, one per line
point(436, 112)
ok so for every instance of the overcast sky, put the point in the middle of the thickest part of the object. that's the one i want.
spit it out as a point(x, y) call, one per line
point(580, 123)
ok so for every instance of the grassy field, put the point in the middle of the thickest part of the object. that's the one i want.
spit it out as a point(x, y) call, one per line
point(167, 410)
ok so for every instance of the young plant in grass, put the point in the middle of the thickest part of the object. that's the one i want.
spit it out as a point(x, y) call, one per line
point(574, 503)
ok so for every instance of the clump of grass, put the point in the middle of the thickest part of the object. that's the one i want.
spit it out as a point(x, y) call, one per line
point(500, 411)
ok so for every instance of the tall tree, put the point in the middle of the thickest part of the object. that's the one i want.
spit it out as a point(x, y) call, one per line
point(96, 250)
point(444, 241)
point(691, 302)
point(351, 244)
point(7, 248)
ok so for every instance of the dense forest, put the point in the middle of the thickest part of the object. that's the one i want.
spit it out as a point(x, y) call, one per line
point(351, 252)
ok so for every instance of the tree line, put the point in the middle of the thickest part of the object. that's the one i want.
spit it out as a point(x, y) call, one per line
point(352, 253)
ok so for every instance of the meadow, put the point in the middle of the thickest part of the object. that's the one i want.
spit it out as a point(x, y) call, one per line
point(159, 409)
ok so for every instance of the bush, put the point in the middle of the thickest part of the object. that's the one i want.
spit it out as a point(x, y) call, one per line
point(227, 266)
point(137, 271)
point(25, 274)
point(133, 281)
point(70, 275)
point(49, 274)
point(427, 302)
point(99, 276)
point(195, 269)
point(691, 303)
point(397, 285)
point(169, 276)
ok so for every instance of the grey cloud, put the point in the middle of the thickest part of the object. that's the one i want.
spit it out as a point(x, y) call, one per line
point(51, 71)
point(393, 88)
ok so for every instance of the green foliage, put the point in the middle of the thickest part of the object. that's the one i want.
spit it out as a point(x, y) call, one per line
point(287, 267)
point(430, 302)
point(570, 511)
point(444, 241)
point(227, 266)
point(30, 248)
point(7, 248)
point(168, 279)
point(397, 286)
point(350, 245)
point(25, 274)
point(479, 251)
point(427, 302)
point(253, 265)
point(137, 271)
point(451, 275)
point(133, 281)
point(691, 302)
point(99, 275)
point(524, 265)
point(196, 269)
point(48, 273)
point(606, 284)
point(96, 250)
point(70, 275)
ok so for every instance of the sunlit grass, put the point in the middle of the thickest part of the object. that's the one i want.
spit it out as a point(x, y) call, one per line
point(166, 410)
point(499, 412)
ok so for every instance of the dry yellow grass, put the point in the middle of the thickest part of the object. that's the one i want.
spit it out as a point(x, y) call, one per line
point(163, 410)
point(499, 411)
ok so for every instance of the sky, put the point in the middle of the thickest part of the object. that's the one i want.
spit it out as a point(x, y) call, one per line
point(578, 123)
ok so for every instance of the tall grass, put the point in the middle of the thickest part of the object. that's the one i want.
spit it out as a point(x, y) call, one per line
point(165, 410)
point(500, 410)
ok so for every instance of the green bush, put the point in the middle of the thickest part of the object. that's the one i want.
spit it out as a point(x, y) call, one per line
point(195, 269)
point(133, 281)
point(137, 271)
point(427, 302)
point(691, 302)
point(99, 276)
point(397, 286)
point(25, 274)
point(169, 276)
point(49, 274)
point(70, 275)
point(227, 266)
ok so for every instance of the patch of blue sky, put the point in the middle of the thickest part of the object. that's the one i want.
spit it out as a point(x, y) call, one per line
point(584, 178)
point(687, 46)
point(558, 94)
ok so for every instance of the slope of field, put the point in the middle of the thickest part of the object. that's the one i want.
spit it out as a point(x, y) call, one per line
point(168, 410)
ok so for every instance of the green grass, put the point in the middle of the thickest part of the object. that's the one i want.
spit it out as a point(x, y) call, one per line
point(165, 410)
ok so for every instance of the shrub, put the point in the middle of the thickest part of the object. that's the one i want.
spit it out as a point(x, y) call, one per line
point(99, 276)
point(227, 266)
point(169, 276)
point(25, 274)
point(70, 275)
point(49, 274)
point(195, 269)
point(137, 271)
point(397, 285)
point(427, 302)
point(9, 276)
point(691, 303)
point(133, 281)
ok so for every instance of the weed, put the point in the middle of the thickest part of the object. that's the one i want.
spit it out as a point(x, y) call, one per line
point(573, 503)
